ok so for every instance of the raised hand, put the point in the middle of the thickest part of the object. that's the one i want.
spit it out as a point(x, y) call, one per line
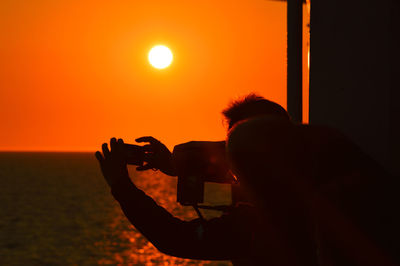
point(113, 163)
point(157, 156)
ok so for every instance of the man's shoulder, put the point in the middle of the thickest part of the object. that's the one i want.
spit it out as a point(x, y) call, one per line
point(321, 133)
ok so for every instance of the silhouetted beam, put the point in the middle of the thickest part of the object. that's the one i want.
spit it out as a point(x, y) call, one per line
point(294, 59)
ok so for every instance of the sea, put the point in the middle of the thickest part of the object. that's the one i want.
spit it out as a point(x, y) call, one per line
point(56, 209)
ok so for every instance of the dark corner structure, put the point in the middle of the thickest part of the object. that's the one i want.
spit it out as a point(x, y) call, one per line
point(354, 72)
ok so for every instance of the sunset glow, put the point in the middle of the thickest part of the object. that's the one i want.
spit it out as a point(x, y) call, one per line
point(74, 74)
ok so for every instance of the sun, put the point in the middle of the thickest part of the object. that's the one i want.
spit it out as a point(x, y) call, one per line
point(160, 56)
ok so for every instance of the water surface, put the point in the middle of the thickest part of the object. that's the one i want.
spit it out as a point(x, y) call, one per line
point(56, 209)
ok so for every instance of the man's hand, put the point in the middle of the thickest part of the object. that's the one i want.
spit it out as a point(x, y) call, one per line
point(157, 156)
point(113, 163)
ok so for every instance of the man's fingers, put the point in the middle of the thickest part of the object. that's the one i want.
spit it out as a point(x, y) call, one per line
point(147, 147)
point(148, 157)
point(147, 139)
point(144, 167)
point(99, 156)
point(113, 144)
point(120, 145)
point(105, 149)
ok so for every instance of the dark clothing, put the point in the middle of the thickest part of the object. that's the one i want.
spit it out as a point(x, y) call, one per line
point(354, 203)
point(211, 240)
point(241, 235)
point(349, 219)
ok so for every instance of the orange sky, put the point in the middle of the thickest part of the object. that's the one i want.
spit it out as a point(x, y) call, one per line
point(75, 73)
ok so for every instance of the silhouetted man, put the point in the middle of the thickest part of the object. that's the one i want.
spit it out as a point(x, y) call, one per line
point(327, 200)
point(289, 170)
point(225, 238)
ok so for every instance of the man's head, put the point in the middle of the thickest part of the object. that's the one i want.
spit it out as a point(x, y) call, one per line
point(261, 144)
point(267, 155)
point(251, 106)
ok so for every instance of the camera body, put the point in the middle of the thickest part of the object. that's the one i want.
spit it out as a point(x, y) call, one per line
point(134, 154)
point(196, 162)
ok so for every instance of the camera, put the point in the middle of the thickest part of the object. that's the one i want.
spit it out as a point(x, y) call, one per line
point(196, 162)
point(134, 154)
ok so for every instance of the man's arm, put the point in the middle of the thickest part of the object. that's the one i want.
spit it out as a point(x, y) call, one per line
point(216, 239)
point(226, 237)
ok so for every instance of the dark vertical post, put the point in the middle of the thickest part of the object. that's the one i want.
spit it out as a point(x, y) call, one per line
point(294, 59)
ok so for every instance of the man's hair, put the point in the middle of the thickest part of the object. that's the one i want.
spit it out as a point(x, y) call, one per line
point(250, 106)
